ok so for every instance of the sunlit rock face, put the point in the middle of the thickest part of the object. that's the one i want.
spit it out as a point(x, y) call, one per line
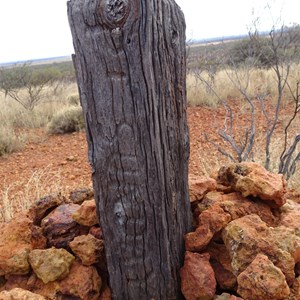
point(262, 280)
point(251, 179)
point(249, 226)
point(197, 277)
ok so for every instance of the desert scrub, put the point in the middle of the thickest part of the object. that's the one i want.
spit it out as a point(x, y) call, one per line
point(9, 141)
point(205, 90)
point(67, 120)
point(73, 100)
point(18, 196)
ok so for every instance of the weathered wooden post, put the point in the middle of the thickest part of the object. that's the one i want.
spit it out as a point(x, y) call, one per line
point(131, 71)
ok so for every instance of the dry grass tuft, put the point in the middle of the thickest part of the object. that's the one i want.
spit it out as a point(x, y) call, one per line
point(18, 196)
point(9, 140)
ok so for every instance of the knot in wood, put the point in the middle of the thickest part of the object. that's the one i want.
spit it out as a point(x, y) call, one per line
point(115, 12)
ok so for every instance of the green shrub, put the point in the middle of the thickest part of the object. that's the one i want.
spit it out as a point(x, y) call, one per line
point(27, 85)
point(69, 119)
point(9, 141)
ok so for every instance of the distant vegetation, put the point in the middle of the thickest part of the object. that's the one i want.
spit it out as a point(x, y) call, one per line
point(255, 71)
point(32, 95)
point(261, 73)
point(222, 53)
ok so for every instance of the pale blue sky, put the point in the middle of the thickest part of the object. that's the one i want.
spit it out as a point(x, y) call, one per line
point(31, 29)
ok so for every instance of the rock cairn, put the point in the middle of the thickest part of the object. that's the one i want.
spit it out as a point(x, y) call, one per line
point(246, 243)
point(54, 251)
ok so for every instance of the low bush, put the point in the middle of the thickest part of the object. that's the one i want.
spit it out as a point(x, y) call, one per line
point(9, 141)
point(67, 120)
point(73, 99)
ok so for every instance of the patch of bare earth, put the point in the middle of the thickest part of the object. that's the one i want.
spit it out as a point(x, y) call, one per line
point(60, 161)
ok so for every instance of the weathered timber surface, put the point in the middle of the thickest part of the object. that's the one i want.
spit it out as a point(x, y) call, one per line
point(130, 64)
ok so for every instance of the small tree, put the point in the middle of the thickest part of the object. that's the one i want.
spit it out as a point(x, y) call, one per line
point(289, 156)
point(25, 84)
point(276, 52)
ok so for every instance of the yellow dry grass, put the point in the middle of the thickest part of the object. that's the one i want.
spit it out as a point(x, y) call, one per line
point(226, 83)
point(18, 196)
point(14, 114)
point(14, 117)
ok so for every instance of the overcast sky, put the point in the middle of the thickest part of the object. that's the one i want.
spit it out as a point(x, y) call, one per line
point(31, 29)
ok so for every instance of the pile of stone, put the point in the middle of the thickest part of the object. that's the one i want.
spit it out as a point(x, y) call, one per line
point(54, 251)
point(246, 244)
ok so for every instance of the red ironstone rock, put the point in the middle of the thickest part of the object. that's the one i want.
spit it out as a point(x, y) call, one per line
point(88, 249)
point(197, 277)
point(199, 186)
point(60, 228)
point(251, 179)
point(262, 280)
point(83, 282)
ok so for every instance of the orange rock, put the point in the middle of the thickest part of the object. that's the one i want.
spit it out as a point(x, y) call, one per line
point(293, 195)
point(83, 282)
point(199, 239)
point(251, 179)
point(248, 236)
point(71, 158)
point(18, 294)
point(290, 216)
point(106, 294)
point(96, 231)
point(199, 186)
point(286, 239)
point(295, 290)
point(221, 263)
point(86, 214)
point(38, 241)
point(88, 249)
point(36, 285)
point(15, 281)
point(197, 277)
point(262, 280)
point(211, 221)
point(215, 217)
point(15, 245)
point(238, 206)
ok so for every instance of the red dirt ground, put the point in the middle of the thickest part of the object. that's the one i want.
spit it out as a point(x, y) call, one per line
point(67, 154)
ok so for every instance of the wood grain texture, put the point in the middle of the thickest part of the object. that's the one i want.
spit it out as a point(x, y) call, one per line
point(130, 62)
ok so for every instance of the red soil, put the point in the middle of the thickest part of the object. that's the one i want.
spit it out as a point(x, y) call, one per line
point(67, 154)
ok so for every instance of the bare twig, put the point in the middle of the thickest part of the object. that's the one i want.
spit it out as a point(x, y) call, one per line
point(222, 151)
point(287, 165)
